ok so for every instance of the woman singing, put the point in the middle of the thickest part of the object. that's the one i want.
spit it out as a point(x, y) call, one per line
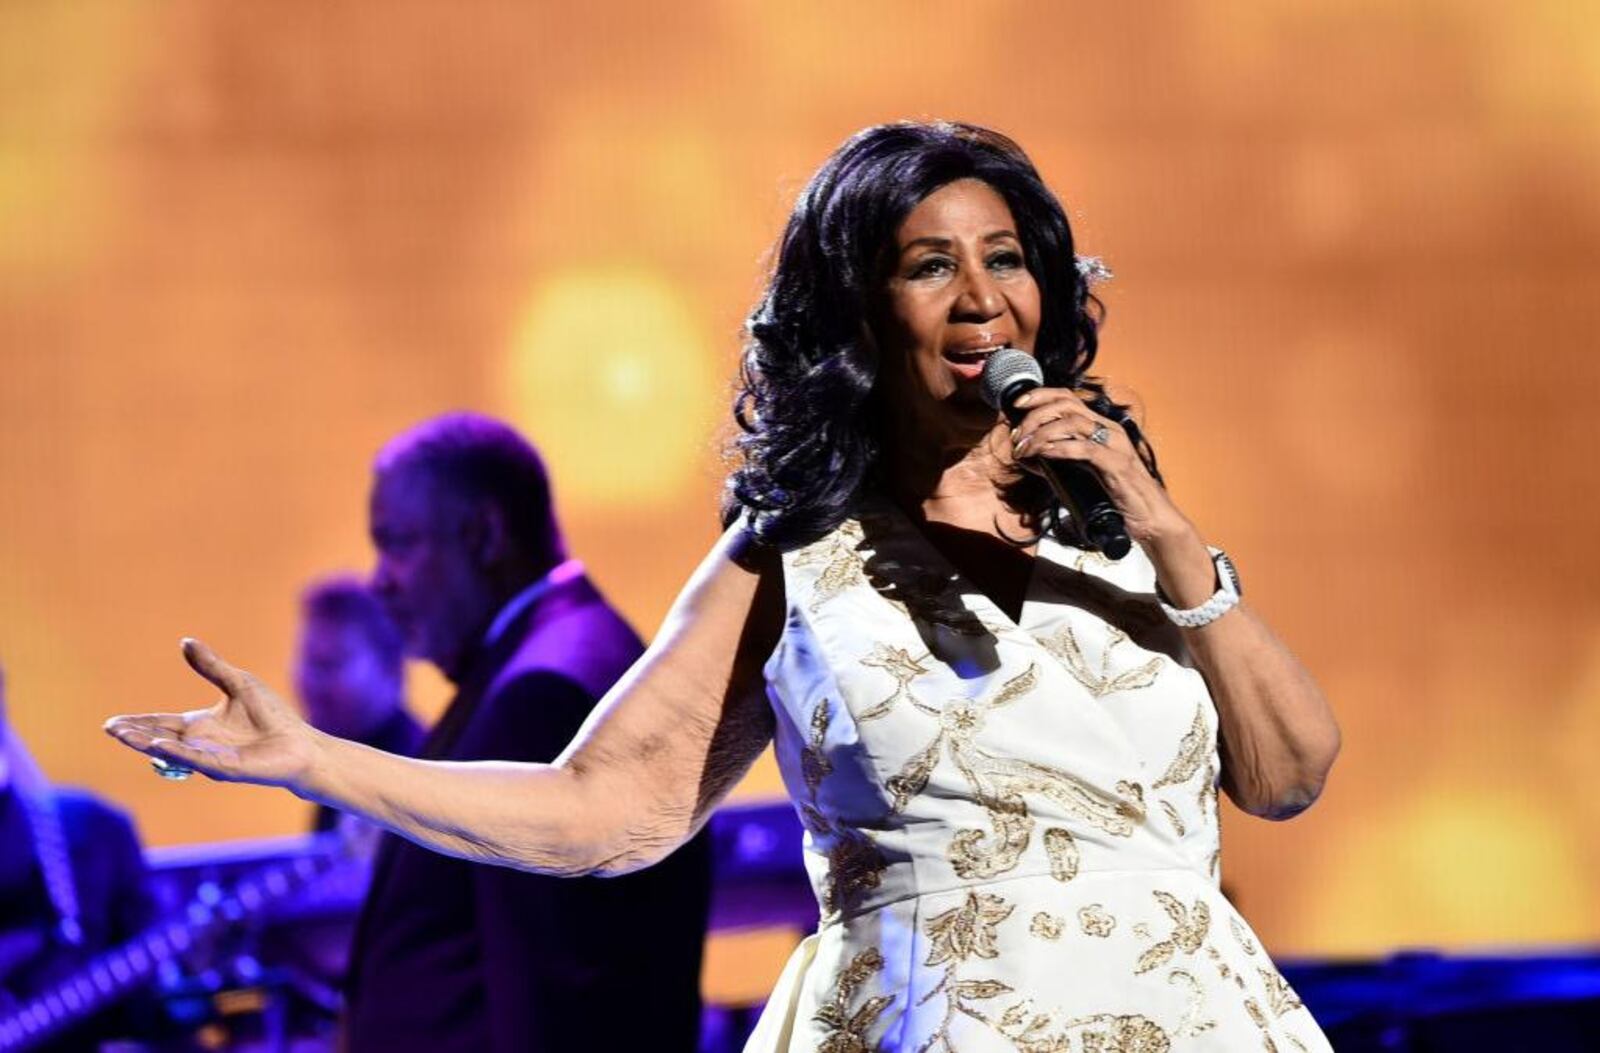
point(1006, 747)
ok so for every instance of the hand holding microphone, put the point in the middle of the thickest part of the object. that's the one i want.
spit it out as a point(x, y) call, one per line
point(1007, 377)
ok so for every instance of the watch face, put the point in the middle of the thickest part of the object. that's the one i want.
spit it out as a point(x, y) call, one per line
point(1226, 569)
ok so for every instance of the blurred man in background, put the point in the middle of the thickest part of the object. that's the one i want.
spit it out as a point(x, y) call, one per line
point(454, 956)
point(349, 672)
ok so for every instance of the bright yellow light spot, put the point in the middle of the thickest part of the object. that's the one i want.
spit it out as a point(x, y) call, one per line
point(58, 161)
point(1461, 863)
point(610, 376)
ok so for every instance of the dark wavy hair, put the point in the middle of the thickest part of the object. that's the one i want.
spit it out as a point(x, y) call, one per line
point(809, 443)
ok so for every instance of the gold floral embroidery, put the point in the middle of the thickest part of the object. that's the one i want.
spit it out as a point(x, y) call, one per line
point(1102, 681)
point(1015, 688)
point(1241, 937)
point(814, 820)
point(814, 763)
point(1031, 1031)
point(956, 936)
point(1105, 1033)
point(1062, 851)
point(1280, 996)
point(1089, 557)
point(1192, 1023)
point(1045, 926)
point(912, 779)
point(1133, 797)
point(1000, 783)
point(847, 1029)
point(898, 663)
point(1190, 926)
point(1195, 748)
point(855, 865)
point(1211, 809)
point(841, 564)
point(967, 931)
point(1222, 967)
point(1208, 790)
point(1094, 921)
point(1115, 814)
point(976, 854)
point(1174, 818)
point(1253, 1008)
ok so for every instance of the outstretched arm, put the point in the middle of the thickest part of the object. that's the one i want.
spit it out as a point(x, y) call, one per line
point(661, 749)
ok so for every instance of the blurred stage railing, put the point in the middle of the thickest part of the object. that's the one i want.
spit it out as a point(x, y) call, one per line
point(270, 983)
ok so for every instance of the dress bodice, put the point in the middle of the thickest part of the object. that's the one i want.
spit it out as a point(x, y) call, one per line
point(974, 788)
point(931, 742)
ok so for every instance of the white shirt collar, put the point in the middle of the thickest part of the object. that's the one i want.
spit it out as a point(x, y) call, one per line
point(558, 575)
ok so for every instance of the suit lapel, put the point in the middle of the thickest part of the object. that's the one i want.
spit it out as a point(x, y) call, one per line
point(476, 684)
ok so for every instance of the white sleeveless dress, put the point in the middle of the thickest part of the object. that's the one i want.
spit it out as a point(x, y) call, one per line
point(1011, 826)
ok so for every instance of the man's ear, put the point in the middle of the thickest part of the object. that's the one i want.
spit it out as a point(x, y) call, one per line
point(487, 534)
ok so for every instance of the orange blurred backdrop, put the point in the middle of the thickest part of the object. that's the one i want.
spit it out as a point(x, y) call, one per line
point(1357, 247)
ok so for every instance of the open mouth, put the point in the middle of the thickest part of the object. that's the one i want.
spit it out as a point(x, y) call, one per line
point(968, 362)
point(969, 357)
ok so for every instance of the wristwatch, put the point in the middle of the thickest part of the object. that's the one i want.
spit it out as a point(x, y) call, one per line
point(1229, 589)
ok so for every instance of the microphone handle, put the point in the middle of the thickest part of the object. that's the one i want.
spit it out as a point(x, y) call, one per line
point(1080, 490)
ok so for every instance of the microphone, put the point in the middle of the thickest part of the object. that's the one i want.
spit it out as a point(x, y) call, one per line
point(1006, 376)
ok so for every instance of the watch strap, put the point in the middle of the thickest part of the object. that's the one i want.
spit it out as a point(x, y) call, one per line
point(1221, 602)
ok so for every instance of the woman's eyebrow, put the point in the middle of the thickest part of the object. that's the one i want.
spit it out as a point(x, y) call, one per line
point(935, 242)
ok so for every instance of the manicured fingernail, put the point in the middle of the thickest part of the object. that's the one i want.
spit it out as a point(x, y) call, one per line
point(1018, 447)
point(1023, 400)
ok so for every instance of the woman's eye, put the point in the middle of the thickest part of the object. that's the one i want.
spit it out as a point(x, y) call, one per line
point(932, 267)
point(1005, 261)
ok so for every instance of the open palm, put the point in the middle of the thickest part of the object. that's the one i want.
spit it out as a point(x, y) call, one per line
point(249, 735)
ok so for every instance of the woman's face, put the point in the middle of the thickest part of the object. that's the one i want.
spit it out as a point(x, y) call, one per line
point(957, 290)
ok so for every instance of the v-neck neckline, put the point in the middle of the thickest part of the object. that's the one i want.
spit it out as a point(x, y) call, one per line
point(964, 582)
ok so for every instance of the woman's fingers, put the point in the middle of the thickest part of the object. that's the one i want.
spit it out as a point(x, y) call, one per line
point(153, 723)
point(158, 735)
point(1047, 439)
point(181, 754)
point(1054, 414)
point(205, 661)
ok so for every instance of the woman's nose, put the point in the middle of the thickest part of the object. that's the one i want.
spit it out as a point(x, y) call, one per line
point(980, 298)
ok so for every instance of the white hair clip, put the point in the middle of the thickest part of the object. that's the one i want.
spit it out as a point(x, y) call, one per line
point(1093, 268)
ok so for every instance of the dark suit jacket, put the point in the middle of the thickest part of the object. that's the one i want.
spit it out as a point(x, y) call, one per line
point(451, 955)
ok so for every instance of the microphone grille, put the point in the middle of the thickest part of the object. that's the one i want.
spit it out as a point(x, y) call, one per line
point(1004, 368)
